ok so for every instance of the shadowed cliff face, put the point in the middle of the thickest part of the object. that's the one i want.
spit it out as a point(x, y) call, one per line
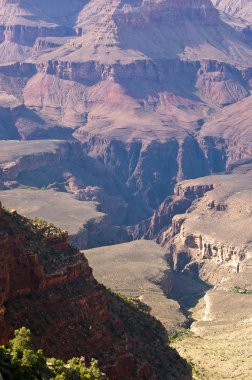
point(48, 286)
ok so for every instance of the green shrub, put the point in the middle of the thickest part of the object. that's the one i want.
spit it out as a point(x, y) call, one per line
point(19, 361)
point(238, 289)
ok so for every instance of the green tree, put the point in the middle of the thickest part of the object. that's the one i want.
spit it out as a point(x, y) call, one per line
point(22, 341)
point(19, 361)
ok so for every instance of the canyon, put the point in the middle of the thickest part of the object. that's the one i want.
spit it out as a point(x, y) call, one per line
point(129, 101)
point(127, 124)
point(213, 241)
point(48, 284)
point(204, 274)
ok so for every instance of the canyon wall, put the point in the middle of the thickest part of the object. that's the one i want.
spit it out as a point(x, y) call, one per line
point(149, 107)
point(48, 286)
point(213, 238)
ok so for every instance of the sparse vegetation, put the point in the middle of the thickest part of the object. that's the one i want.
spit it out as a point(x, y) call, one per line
point(132, 302)
point(180, 335)
point(124, 320)
point(41, 237)
point(148, 332)
point(195, 371)
point(238, 289)
point(19, 361)
point(44, 227)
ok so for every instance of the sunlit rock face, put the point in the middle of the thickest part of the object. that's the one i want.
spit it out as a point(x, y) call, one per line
point(140, 85)
point(241, 9)
point(215, 232)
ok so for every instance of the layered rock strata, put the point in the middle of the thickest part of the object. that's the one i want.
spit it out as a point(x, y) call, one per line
point(215, 231)
point(149, 106)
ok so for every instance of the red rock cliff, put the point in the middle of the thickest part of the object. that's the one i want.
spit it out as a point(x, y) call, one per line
point(48, 286)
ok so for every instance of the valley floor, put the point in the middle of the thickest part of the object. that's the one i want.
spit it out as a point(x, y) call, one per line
point(218, 346)
point(137, 269)
point(220, 350)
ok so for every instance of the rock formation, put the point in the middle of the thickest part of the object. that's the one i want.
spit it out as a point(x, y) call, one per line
point(116, 102)
point(215, 232)
point(212, 242)
point(48, 286)
point(140, 85)
point(238, 9)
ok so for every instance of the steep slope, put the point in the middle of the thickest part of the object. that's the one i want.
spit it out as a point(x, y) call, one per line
point(25, 26)
point(103, 67)
point(120, 24)
point(226, 204)
point(238, 8)
point(64, 167)
point(134, 82)
point(230, 131)
point(48, 286)
point(225, 142)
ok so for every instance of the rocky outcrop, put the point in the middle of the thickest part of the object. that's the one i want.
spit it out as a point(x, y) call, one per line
point(34, 160)
point(153, 227)
point(214, 232)
point(168, 212)
point(140, 167)
point(48, 286)
point(187, 190)
point(215, 82)
point(238, 9)
point(220, 138)
point(44, 43)
point(27, 35)
point(143, 12)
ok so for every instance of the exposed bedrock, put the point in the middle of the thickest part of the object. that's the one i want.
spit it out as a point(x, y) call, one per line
point(167, 213)
point(49, 286)
point(43, 43)
point(27, 35)
point(205, 248)
point(18, 69)
point(195, 158)
point(217, 83)
point(222, 152)
point(63, 167)
point(128, 179)
point(152, 170)
point(162, 217)
point(192, 191)
point(215, 233)
point(143, 175)
point(31, 161)
point(9, 117)
point(142, 12)
point(146, 167)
